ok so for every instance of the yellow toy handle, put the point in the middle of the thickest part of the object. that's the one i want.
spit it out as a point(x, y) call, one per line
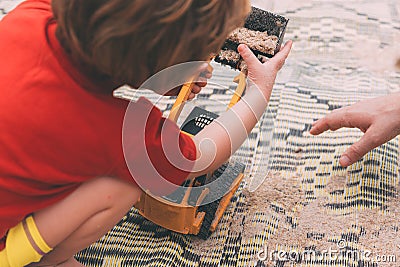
point(187, 89)
point(183, 96)
point(180, 101)
point(241, 80)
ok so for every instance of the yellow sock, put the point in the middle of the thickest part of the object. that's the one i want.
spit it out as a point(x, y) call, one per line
point(24, 245)
point(4, 259)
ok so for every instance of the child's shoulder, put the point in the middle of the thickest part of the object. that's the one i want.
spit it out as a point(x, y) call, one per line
point(26, 20)
point(30, 8)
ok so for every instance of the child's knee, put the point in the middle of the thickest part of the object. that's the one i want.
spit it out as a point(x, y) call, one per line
point(115, 191)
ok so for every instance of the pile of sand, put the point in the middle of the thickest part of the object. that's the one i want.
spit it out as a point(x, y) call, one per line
point(312, 224)
point(256, 40)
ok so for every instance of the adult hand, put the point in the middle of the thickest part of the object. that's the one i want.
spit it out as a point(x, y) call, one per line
point(378, 118)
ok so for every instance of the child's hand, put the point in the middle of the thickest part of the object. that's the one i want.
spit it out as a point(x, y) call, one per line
point(220, 139)
point(196, 89)
point(378, 118)
point(263, 74)
point(205, 75)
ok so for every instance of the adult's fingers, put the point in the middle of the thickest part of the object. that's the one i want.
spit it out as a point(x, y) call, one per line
point(360, 148)
point(333, 121)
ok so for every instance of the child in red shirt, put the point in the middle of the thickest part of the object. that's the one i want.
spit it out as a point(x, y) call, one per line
point(63, 176)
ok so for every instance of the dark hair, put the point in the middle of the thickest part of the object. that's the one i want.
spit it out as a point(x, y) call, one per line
point(130, 40)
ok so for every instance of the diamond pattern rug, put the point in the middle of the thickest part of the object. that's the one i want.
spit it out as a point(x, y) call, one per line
point(308, 205)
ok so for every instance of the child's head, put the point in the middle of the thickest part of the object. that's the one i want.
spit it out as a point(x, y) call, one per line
point(131, 40)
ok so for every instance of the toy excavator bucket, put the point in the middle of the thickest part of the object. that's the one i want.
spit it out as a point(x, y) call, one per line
point(266, 25)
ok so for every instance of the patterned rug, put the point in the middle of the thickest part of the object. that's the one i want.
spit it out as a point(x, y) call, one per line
point(309, 211)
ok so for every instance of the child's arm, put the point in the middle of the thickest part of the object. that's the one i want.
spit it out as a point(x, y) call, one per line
point(219, 140)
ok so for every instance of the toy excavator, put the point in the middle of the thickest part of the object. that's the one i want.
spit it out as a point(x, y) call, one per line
point(185, 211)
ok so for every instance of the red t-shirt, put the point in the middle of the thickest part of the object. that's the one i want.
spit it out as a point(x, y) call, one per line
point(55, 131)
